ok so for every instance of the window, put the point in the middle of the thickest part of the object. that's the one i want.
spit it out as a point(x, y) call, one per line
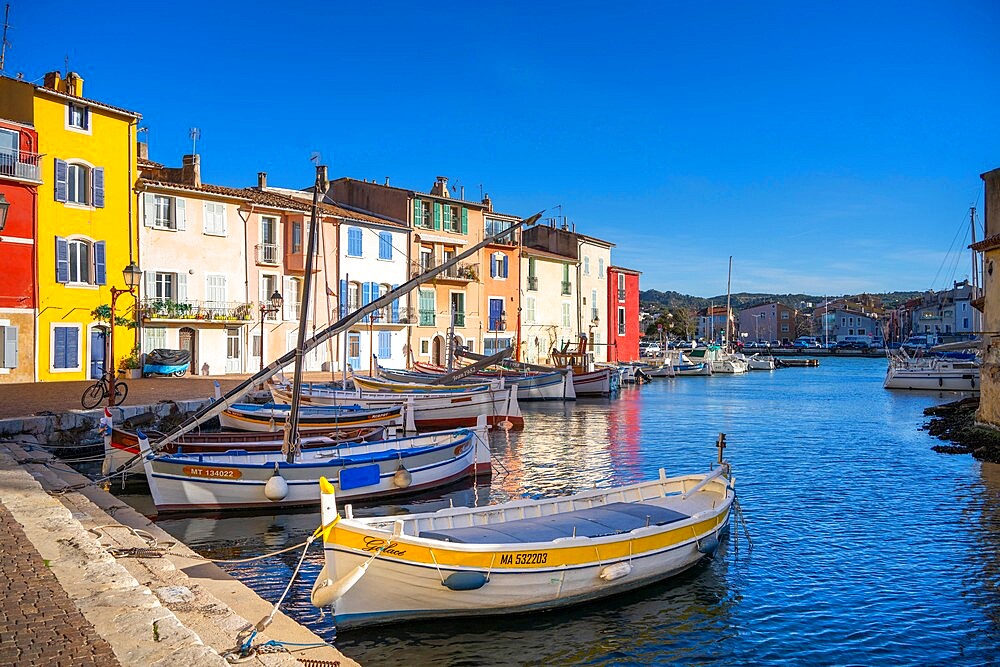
point(586, 266)
point(621, 321)
point(494, 227)
point(65, 348)
point(427, 308)
point(621, 286)
point(80, 262)
point(426, 259)
point(215, 218)
point(498, 265)
point(296, 236)
point(76, 184)
point(594, 313)
point(78, 116)
point(163, 212)
point(458, 308)
point(292, 298)
point(566, 287)
point(425, 347)
point(784, 314)
point(215, 290)
point(164, 286)
point(492, 345)
point(384, 245)
point(268, 286)
point(154, 338)
point(8, 346)
point(353, 297)
point(384, 344)
point(422, 216)
point(268, 230)
point(354, 242)
point(497, 315)
point(784, 328)
point(530, 315)
point(565, 314)
point(600, 267)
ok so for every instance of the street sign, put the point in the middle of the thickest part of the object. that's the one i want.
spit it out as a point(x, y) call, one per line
point(659, 327)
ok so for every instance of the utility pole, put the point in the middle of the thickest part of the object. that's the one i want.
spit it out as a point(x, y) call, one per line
point(3, 42)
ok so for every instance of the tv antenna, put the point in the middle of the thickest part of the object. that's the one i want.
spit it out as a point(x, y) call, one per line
point(314, 157)
point(3, 42)
point(195, 135)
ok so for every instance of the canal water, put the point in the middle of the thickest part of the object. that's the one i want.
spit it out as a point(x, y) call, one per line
point(867, 547)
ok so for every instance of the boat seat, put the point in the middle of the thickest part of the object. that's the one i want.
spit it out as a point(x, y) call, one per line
point(609, 519)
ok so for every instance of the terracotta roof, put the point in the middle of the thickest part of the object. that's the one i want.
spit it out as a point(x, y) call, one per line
point(989, 243)
point(413, 193)
point(149, 164)
point(67, 96)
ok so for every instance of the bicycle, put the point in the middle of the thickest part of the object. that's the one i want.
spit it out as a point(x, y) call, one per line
point(95, 394)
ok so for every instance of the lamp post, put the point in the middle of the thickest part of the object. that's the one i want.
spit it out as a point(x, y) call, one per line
point(132, 275)
point(272, 306)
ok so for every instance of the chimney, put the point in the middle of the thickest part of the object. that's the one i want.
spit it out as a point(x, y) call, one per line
point(191, 170)
point(74, 84)
point(142, 150)
point(322, 179)
point(488, 202)
point(52, 81)
point(261, 180)
point(387, 181)
point(440, 187)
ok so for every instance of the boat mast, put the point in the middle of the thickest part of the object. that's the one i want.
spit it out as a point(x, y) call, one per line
point(729, 286)
point(290, 446)
point(975, 269)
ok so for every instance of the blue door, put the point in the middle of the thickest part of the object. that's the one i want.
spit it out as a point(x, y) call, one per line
point(354, 350)
point(98, 345)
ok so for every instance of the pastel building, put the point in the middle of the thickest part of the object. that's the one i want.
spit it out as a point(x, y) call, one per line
point(549, 301)
point(767, 322)
point(84, 220)
point(989, 303)
point(622, 329)
point(501, 282)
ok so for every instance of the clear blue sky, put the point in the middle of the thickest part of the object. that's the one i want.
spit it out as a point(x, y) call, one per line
point(829, 147)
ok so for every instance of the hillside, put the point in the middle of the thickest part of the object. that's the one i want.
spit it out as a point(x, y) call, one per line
point(670, 299)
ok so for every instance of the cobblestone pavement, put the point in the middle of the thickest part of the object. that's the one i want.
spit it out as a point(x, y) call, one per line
point(25, 399)
point(39, 624)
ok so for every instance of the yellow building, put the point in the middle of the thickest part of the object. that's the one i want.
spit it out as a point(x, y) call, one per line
point(989, 399)
point(84, 221)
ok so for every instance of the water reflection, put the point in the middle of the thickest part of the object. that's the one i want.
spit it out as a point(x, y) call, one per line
point(868, 545)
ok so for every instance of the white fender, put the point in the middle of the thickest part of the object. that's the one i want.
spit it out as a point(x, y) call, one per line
point(276, 487)
point(616, 571)
point(402, 478)
point(326, 592)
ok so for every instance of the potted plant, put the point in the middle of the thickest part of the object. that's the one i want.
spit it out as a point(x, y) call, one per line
point(132, 364)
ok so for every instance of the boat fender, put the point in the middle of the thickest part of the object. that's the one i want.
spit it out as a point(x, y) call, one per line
point(616, 571)
point(276, 487)
point(465, 581)
point(708, 545)
point(402, 479)
point(326, 592)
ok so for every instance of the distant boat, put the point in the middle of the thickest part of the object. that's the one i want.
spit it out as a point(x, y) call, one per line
point(931, 373)
point(520, 556)
point(720, 360)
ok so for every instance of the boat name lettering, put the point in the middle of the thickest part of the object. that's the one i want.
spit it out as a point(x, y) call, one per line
point(215, 473)
point(380, 545)
point(524, 559)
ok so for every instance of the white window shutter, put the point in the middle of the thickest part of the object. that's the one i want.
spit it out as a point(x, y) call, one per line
point(181, 216)
point(148, 209)
point(221, 208)
point(182, 287)
point(150, 284)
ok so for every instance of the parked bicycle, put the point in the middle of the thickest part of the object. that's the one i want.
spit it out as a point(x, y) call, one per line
point(95, 394)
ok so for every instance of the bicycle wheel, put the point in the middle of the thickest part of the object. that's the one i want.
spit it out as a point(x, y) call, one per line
point(121, 391)
point(93, 395)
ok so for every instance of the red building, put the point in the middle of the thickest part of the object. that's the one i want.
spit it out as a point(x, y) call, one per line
point(623, 314)
point(20, 176)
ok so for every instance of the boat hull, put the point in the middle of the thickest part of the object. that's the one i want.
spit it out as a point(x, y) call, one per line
point(933, 380)
point(535, 387)
point(271, 420)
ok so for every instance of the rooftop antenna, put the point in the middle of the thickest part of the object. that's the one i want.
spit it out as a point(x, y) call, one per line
point(314, 157)
point(481, 195)
point(195, 135)
point(146, 131)
point(3, 42)
point(66, 60)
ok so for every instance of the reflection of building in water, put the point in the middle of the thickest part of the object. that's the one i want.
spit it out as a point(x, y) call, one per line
point(624, 436)
point(988, 559)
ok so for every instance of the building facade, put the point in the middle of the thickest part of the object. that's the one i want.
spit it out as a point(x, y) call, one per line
point(712, 324)
point(770, 322)
point(549, 304)
point(501, 282)
point(946, 313)
point(623, 330)
point(989, 304)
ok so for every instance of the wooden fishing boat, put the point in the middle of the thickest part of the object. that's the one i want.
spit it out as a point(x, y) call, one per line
point(379, 469)
point(124, 445)
point(531, 385)
point(271, 417)
point(520, 556)
point(408, 386)
point(425, 409)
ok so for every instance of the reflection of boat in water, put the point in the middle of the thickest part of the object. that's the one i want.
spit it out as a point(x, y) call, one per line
point(524, 555)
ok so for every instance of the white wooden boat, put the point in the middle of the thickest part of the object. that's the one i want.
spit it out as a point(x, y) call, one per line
point(531, 386)
point(676, 364)
point(520, 556)
point(755, 362)
point(720, 360)
point(931, 373)
point(272, 417)
point(424, 409)
point(379, 469)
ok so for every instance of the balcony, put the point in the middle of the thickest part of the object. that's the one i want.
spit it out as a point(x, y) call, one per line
point(21, 165)
point(214, 311)
point(427, 318)
point(567, 288)
point(533, 283)
point(267, 254)
point(465, 273)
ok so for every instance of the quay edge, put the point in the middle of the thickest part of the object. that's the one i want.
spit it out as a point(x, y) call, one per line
point(176, 609)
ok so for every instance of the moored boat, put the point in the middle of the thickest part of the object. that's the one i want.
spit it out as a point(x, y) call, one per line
point(931, 373)
point(521, 556)
point(271, 417)
point(556, 385)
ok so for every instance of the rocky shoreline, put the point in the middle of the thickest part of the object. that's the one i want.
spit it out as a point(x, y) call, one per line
point(956, 422)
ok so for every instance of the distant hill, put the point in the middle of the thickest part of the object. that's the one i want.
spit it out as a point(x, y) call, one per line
point(741, 300)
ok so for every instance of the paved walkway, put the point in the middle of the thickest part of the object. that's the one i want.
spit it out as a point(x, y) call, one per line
point(26, 399)
point(39, 624)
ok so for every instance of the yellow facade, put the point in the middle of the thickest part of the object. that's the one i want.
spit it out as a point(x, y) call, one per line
point(82, 147)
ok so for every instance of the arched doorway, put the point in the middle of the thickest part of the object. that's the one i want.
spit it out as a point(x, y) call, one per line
point(189, 341)
point(437, 349)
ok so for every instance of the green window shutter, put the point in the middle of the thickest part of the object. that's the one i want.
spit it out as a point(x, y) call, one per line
point(437, 215)
point(418, 213)
point(465, 220)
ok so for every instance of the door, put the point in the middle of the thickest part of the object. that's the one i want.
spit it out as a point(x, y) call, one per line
point(354, 350)
point(436, 356)
point(98, 351)
point(188, 341)
point(8, 152)
point(234, 362)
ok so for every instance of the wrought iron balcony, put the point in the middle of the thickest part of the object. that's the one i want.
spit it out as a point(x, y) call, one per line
point(267, 253)
point(458, 272)
point(167, 309)
point(20, 164)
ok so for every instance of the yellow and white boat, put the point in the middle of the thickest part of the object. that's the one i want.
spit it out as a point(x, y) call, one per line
point(519, 556)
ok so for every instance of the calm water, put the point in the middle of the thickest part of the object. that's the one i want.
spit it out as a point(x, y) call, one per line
point(867, 546)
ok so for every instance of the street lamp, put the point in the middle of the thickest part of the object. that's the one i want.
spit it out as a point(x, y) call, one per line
point(272, 306)
point(4, 207)
point(132, 275)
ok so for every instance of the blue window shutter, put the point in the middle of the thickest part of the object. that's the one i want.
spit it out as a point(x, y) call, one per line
point(62, 177)
point(505, 274)
point(100, 268)
point(366, 297)
point(343, 298)
point(384, 245)
point(395, 308)
point(437, 215)
point(493, 266)
point(59, 347)
point(97, 183)
point(465, 220)
point(72, 347)
point(62, 260)
point(85, 115)
point(384, 344)
point(354, 246)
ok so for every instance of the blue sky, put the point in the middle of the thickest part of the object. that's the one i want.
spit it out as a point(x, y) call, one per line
point(829, 147)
